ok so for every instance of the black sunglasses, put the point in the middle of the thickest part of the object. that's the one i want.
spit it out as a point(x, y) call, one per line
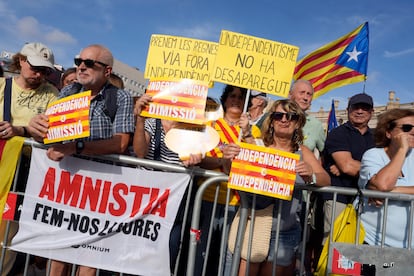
point(290, 116)
point(40, 69)
point(88, 62)
point(406, 127)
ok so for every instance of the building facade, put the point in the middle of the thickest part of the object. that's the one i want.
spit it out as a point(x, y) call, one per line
point(342, 115)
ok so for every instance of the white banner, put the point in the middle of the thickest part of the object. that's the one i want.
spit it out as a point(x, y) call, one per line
point(99, 215)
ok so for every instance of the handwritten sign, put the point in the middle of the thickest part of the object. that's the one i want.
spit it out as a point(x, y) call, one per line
point(265, 171)
point(68, 118)
point(182, 101)
point(255, 63)
point(175, 58)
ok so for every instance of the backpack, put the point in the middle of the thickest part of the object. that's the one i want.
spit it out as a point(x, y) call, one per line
point(110, 97)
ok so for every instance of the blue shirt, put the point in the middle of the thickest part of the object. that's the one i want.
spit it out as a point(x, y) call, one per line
point(398, 211)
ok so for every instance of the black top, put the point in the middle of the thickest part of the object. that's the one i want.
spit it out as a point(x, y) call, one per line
point(345, 138)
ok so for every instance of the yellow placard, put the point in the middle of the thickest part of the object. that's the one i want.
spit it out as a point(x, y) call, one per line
point(255, 63)
point(68, 118)
point(175, 58)
point(264, 171)
point(182, 100)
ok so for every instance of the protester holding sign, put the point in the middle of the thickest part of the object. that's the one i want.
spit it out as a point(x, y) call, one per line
point(234, 123)
point(283, 130)
point(28, 95)
point(149, 143)
point(107, 135)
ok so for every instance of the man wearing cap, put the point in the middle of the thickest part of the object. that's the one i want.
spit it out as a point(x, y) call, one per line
point(343, 152)
point(29, 94)
point(258, 103)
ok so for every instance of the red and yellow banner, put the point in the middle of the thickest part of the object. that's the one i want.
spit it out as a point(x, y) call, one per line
point(182, 101)
point(68, 118)
point(9, 154)
point(264, 171)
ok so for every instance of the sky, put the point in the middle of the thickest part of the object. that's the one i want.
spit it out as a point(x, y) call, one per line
point(125, 27)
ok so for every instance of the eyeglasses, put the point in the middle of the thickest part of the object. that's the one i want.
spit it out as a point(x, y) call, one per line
point(406, 127)
point(88, 62)
point(40, 69)
point(290, 116)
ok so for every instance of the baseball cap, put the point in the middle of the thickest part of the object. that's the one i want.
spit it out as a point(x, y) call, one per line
point(361, 98)
point(38, 55)
point(255, 93)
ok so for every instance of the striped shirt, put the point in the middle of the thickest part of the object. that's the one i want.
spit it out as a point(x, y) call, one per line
point(166, 155)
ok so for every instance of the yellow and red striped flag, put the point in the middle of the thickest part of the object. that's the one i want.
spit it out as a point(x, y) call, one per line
point(341, 62)
point(9, 154)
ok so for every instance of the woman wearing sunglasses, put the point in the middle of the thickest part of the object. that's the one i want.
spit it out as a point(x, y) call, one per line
point(282, 130)
point(389, 168)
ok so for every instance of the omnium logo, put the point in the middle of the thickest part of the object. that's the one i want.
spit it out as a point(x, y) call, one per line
point(92, 248)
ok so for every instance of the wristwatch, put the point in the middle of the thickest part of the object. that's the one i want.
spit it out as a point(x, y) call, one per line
point(80, 145)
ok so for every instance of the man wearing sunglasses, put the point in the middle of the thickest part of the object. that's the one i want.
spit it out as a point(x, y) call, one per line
point(107, 135)
point(343, 152)
point(26, 95)
point(94, 66)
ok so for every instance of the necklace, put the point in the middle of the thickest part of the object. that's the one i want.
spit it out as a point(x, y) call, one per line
point(231, 123)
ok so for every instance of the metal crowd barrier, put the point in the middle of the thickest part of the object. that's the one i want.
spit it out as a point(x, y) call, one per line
point(378, 256)
point(385, 260)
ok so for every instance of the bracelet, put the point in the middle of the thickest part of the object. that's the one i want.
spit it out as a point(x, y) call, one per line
point(313, 181)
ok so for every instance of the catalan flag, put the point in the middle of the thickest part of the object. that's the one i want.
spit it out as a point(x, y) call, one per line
point(332, 122)
point(9, 154)
point(341, 62)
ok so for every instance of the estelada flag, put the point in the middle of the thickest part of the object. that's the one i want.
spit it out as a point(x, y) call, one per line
point(341, 62)
point(9, 154)
point(332, 122)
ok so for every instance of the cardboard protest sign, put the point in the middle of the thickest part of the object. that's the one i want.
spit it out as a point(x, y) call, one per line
point(264, 171)
point(174, 58)
point(182, 101)
point(255, 63)
point(68, 118)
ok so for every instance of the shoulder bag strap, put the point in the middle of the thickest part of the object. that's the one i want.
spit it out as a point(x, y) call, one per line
point(7, 100)
point(157, 149)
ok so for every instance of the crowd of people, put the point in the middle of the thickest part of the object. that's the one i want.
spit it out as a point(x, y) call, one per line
point(351, 155)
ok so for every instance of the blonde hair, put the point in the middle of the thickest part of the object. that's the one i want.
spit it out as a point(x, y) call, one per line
point(288, 106)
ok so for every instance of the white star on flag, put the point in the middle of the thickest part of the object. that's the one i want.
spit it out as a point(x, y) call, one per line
point(353, 55)
point(6, 208)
